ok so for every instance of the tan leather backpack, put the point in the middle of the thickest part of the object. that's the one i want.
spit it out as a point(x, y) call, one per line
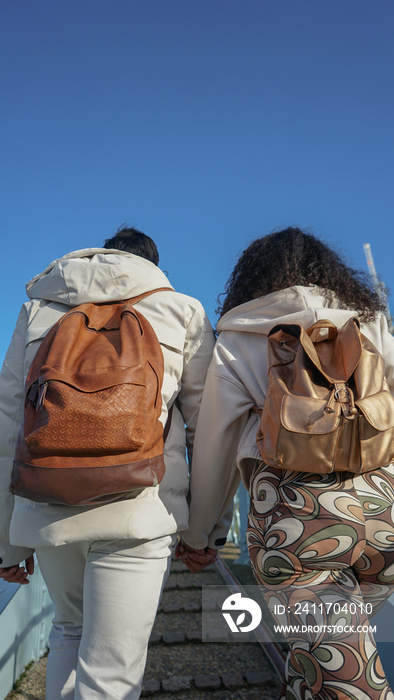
point(328, 406)
point(91, 431)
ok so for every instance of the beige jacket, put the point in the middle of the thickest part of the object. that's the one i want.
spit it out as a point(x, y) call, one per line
point(225, 444)
point(186, 339)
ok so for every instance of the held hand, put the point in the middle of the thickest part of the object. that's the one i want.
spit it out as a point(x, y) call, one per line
point(18, 574)
point(195, 559)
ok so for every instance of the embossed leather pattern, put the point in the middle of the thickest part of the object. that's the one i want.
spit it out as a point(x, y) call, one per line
point(91, 431)
point(73, 422)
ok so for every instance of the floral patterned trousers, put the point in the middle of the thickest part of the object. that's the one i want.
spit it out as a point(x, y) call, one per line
point(322, 550)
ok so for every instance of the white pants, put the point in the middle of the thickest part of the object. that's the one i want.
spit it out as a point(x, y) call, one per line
point(106, 595)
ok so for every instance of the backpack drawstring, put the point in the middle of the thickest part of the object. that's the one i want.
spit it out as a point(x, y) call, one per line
point(343, 395)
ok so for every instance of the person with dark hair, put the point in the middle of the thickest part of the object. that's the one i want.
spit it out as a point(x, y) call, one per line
point(133, 241)
point(329, 535)
point(104, 565)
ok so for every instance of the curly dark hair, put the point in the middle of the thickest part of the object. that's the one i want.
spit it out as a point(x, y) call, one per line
point(291, 257)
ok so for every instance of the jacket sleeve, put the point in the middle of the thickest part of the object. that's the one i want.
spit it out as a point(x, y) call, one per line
point(215, 477)
point(197, 354)
point(11, 412)
point(388, 353)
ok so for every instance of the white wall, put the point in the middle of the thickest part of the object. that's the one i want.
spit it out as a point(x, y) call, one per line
point(25, 621)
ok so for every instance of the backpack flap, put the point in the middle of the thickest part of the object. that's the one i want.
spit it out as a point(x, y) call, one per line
point(378, 410)
point(336, 353)
point(307, 415)
point(307, 434)
point(376, 430)
point(90, 356)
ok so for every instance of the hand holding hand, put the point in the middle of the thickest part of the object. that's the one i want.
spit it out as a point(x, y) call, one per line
point(17, 573)
point(195, 559)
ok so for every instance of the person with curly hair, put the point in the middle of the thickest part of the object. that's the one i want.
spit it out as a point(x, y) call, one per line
point(329, 534)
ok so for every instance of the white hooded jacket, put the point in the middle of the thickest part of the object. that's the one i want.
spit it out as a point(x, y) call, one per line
point(237, 380)
point(186, 339)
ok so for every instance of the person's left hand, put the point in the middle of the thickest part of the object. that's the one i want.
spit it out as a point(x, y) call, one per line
point(195, 559)
point(17, 573)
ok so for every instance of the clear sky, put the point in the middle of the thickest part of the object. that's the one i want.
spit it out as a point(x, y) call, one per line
point(205, 123)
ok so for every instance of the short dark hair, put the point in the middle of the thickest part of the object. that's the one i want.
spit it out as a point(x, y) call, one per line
point(131, 240)
point(291, 257)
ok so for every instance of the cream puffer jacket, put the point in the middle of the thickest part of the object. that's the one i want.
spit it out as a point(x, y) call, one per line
point(186, 339)
point(225, 448)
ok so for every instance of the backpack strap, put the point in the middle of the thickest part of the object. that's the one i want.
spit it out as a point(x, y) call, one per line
point(168, 423)
point(135, 300)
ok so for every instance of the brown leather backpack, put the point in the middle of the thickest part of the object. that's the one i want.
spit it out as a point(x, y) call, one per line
point(328, 406)
point(91, 431)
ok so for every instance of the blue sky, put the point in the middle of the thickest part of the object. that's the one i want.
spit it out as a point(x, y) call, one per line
point(206, 123)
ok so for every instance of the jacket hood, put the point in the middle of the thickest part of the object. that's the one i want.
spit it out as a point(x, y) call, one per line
point(96, 274)
point(301, 305)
